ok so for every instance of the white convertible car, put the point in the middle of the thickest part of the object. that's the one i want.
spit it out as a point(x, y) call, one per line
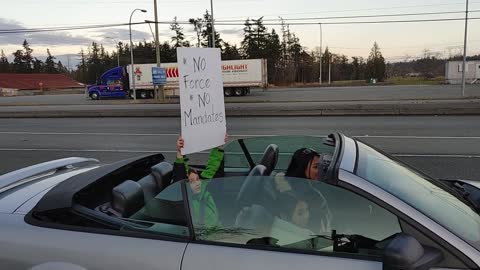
point(366, 210)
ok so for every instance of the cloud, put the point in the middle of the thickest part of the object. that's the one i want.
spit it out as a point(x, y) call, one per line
point(41, 38)
point(106, 35)
point(231, 31)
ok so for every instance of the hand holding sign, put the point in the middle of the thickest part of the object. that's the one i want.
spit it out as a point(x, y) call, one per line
point(201, 99)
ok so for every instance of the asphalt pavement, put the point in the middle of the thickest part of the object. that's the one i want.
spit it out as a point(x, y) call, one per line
point(373, 100)
point(308, 94)
point(442, 146)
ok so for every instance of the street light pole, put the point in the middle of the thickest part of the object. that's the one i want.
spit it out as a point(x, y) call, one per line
point(464, 51)
point(118, 54)
point(320, 76)
point(117, 46)
point(132, 75)
point(157, 49)
point(213, 26)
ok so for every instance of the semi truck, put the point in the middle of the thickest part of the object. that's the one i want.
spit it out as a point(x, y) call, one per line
point(238, 77)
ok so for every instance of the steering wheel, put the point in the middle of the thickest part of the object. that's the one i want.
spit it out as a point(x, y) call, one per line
point(251, 185)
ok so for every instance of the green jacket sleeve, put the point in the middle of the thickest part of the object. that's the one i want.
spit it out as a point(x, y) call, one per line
point(214, 165)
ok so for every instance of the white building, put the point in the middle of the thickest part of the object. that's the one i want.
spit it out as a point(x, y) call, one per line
point(453, 72)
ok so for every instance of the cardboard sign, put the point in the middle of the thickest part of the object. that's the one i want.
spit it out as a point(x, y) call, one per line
point(201, 98)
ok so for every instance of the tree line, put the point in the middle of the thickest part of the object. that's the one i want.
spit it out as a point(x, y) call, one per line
point(25, 62)
point(288, 61)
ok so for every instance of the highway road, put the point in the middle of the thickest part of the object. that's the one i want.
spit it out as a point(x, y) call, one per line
point(361, 93)
point(442, 146)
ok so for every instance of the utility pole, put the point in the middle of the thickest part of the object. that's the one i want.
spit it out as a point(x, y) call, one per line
point(131, 54)
point(157, 52)
point(464, 51)
point(213, 26)
point(320, 76)
point(329, 70)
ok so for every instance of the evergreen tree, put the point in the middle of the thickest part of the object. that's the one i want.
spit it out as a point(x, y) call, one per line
point(179, 38)
point(18, 62)
point(50, 63)
point(4, 65)
point(375, 64)
point(254, 43)
point(230, 52)
point(197, 26)
point(274, 55)
point(207, 32)
point(93, 63)
point(61, 68)
point(81, 72)
point(27, 57)
point(38, 66)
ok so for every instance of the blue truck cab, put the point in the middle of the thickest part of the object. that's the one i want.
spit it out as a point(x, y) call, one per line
point(112, 84)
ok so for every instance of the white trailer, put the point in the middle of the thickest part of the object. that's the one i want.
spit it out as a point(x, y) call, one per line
point(238, 77)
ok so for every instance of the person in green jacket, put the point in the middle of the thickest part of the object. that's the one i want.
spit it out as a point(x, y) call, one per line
point(203, 209)
point(202, 206)
point(214, 168)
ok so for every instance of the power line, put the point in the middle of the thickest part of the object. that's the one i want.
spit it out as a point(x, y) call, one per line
point(64, 28)
point(360, 16)
point(365, 22)
point(362, 9)
point(72, 28)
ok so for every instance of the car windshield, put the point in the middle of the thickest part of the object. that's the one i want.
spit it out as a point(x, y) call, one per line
point(419, 192)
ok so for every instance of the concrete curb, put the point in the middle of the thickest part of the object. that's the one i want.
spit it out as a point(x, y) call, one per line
point(252, 110)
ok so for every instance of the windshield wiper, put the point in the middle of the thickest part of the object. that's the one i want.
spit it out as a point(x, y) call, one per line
point(464, 194)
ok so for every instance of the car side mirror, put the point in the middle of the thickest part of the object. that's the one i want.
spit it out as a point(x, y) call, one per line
point(404, 252)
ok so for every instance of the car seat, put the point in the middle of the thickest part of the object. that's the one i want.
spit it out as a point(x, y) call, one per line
point(157, 180)
point(269, 158)
point(127, 198)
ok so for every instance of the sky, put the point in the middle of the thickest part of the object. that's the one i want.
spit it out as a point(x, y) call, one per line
point(397, 41)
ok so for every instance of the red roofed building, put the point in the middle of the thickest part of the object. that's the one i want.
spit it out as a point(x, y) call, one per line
point(37, 81)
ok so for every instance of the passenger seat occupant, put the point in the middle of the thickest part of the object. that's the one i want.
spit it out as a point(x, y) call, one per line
point(292, 225)
point(215, 165)
point(304, 164)
point(203, 209)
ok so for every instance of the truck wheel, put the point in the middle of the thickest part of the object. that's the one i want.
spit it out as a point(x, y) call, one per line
point(143, 94)
point(94, 96)
point(239, 92)
point(228, 92)
point(131, 95)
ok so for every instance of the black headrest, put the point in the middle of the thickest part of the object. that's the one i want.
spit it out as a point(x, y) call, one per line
point(258, 170)
point(270, 158)
point(127, 198)
point(162, 172)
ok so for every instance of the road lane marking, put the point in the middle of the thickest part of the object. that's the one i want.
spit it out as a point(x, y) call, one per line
point(231, 135)
point(440, 156)
point(416, 137)
point(203, 152)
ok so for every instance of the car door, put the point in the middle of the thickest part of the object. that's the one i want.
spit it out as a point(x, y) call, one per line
point(39, 248)
point(152, 238)
point(262, 230)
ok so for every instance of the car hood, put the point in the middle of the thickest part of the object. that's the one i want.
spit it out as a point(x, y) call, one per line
point(22, 198)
